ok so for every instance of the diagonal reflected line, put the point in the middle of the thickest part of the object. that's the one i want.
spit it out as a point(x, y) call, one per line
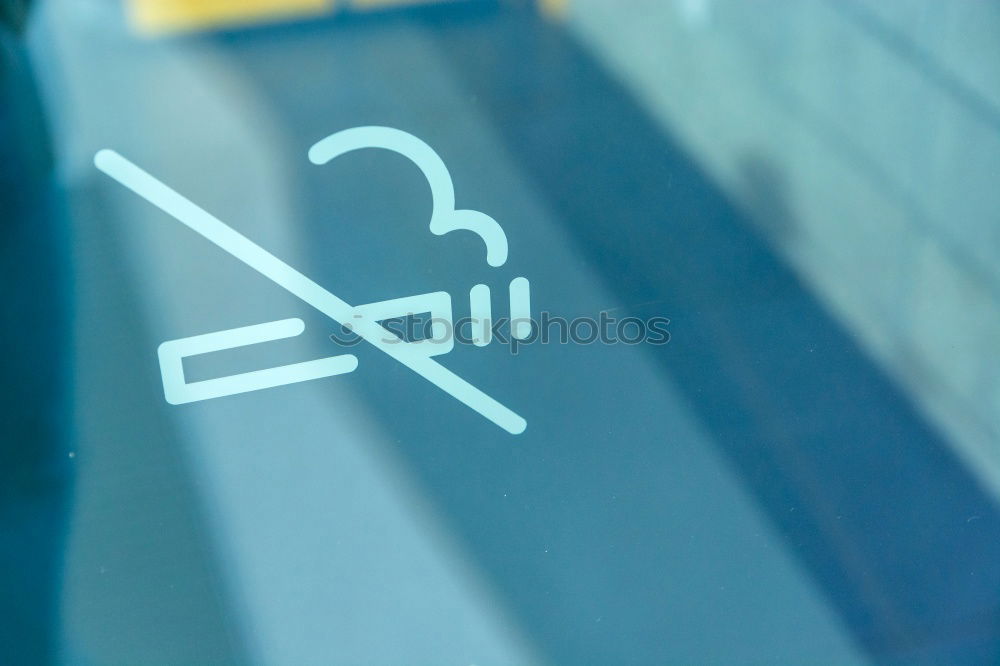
point(923, 61)
point(218, 232)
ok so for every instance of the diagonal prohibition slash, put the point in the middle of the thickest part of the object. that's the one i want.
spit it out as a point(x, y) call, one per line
point(239, 246)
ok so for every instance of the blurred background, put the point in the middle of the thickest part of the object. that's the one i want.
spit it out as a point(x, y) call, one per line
point(808, 473)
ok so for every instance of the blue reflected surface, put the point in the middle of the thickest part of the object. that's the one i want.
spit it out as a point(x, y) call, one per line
point(807, 472)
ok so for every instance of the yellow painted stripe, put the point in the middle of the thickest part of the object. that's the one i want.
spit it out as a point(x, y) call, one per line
point(557, 9)
point(158, 16)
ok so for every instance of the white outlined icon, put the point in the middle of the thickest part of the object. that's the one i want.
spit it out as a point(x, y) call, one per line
point(362, 319)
